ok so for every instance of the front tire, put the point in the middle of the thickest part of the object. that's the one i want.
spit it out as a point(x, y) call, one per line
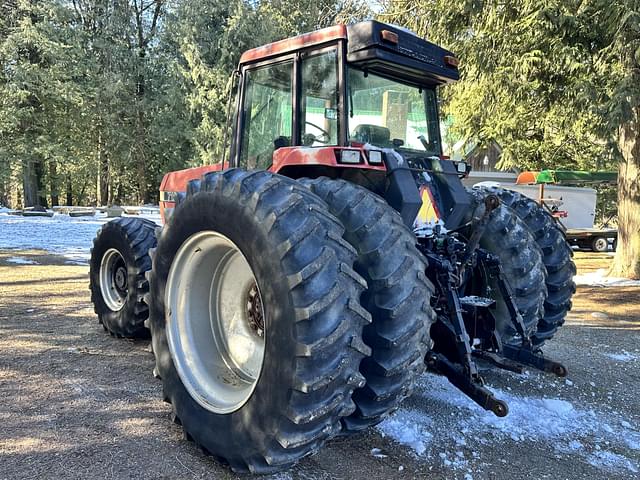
point(119, 261)
point(311, 320)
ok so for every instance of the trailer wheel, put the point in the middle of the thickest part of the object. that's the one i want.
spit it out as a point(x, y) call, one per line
point(398, 298)
point(557, 256)
point(119, 261)
point(255, 319)
point(600, 244)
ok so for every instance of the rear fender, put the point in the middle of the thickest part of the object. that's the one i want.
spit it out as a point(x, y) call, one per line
point(176, 182)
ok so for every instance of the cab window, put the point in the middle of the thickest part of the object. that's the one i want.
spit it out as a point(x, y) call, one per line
point(267, 112)
point(319, 103)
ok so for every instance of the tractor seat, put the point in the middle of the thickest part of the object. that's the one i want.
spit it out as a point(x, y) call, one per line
point(372, 134)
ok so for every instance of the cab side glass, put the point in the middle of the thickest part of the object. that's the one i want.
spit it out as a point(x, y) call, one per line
point(267, 114)
point(319, 116)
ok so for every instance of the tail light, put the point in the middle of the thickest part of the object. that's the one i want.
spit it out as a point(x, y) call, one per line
point(349, 156)
point(375, 157)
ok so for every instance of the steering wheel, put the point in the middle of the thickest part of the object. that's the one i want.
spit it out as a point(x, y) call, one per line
point(324, 138)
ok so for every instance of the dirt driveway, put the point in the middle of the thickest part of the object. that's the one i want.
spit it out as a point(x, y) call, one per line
point(76, 403)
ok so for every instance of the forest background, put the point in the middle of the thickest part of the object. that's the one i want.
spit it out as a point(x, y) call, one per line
point(100, 98)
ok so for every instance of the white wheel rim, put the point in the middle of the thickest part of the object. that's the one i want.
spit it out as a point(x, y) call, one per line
point(113, 280)
point(215, 322)
point(601, 244)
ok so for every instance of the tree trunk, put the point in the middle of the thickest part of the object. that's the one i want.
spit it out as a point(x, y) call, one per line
point(140, 147)
point(626, 262)
point(102, 197)
point(104, 179)
point(29, 184)
point(69, 191)
point(53, 179)
point(4, 192)
point(42, 193)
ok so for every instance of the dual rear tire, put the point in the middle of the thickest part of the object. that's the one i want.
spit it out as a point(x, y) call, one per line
point(556, 260)
point(281, 314)
point(322, 366)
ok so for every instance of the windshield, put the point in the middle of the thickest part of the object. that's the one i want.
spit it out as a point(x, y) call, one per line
point(389, 114)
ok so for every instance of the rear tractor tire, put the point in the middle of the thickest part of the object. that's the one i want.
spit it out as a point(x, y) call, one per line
point(509, 238)
point(398, 298)
point(119, 261)
point(255, 319)
point(557, 257)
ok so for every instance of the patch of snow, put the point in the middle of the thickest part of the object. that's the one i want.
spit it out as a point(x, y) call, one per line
point(562, 425)
point(599, 279)
point(476, 301)
point(575, 445)
point(21, 261)
point(376, 452)
point(71, 237)
point(281, 476)
point(622, 357)
point(487, 184)
point(611, 461)
point(391, 152)
point(408, 427)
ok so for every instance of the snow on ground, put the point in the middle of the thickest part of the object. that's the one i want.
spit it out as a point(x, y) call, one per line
point(602, 439)
point(622, 357)
point(599, 279)
point(61, 234)
point(21, 261)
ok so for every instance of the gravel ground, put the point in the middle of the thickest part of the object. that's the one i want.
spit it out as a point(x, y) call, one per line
point(76, 403)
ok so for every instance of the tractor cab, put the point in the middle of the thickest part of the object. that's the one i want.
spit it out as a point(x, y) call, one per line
point(341, 88)
point(353, 102)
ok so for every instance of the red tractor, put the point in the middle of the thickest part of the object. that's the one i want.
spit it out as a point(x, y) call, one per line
point(298, 290)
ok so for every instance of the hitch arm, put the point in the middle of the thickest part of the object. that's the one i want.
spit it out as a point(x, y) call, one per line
point(474, 390)
point(478, 227)
point(526, 356)
point(455, 321)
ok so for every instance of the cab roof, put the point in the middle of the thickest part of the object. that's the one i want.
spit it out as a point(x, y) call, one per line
point(292, 44)
point(376, 47)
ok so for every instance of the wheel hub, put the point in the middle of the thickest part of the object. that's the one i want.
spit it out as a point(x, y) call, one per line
point(601, 244)
point(254, 310)
point(215, 322)
point(121, 278)
point(113, 279)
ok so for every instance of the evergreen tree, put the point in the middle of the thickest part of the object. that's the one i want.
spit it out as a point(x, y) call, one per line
point(555, 83)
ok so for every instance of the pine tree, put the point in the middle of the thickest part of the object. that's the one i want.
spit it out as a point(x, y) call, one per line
point(555, 83)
